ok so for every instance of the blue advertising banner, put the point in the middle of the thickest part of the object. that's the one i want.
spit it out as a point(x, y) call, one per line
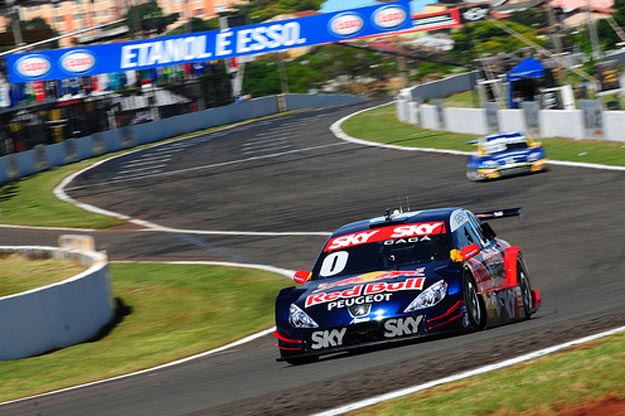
point(212, 45)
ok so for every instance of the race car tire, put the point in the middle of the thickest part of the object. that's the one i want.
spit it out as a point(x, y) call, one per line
point(475, 314)
point(474, 176)
point(526, 290)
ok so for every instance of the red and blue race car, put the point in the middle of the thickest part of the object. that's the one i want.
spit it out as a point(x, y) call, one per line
point(401, 276)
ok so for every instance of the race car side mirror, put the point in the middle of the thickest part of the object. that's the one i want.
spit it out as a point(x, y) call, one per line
point(465, 254)
point(301, 276)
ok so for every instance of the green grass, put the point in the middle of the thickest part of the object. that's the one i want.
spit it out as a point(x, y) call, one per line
point(381, 125)
point(172, 317)
point(175, 311)
point(20, 274)
point(30, 201)
point(542, 387)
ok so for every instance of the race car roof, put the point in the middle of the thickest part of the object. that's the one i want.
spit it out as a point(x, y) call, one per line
point(410, 217)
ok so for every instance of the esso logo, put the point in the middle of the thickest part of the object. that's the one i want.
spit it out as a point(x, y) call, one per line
point(33, 66)
point(389, 17)
point(77, 61)
point(346, 24)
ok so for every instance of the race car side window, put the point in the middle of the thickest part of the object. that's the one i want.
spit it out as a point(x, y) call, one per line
point(467, 235)
point(475, 225)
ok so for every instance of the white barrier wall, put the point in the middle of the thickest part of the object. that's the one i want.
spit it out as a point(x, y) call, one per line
point(552, 123)
point(511, 120)
point(561, 123)
point(466, 120)
point(614, 125)
point(58, 315)
point(18, 165)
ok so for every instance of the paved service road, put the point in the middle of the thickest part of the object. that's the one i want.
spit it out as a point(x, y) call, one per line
point(292, 175)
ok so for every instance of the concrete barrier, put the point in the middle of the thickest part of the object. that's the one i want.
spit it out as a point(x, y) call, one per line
point(18, 165)
point(61, 314)
point(551, 123)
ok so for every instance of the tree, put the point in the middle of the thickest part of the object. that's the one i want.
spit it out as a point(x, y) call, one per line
point(148, 17)
point(196, 25)
point(259, 11)
point(488, 39)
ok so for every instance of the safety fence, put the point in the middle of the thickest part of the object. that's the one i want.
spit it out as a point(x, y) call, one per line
point(590, 122)
point(42, 157)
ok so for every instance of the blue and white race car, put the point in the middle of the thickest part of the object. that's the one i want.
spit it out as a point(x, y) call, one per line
point(403, 276)
point(505, 154)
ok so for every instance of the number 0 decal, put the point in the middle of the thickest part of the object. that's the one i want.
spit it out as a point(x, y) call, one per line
point(334, 263)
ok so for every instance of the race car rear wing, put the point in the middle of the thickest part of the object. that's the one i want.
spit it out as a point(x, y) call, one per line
point(502, 213)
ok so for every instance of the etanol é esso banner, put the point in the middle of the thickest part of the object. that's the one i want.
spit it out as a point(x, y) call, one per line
point(212, 45)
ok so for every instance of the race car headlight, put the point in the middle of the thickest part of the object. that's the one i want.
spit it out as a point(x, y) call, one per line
point(429, 297)
point(299, 319)
point(534, 156)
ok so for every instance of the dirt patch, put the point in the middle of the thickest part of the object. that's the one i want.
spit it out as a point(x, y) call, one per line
point(605, 406)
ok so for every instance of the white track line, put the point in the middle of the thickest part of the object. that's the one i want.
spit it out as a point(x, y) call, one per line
point(481, 370)
point(338, 132)
point(284, 272)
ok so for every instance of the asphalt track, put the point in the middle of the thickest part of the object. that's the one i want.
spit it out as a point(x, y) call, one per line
point(291, 174)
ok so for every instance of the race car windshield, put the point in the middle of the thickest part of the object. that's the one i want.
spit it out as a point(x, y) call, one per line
point(498, 146)
point(383, 255)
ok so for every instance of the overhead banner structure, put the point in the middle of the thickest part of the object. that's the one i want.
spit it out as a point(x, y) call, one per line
point(213, 45)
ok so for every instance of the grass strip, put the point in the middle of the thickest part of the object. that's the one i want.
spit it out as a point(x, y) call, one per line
point(20, 274)
point(30, 201)
point(547, 386)
point(380, 125)
point(171, 312)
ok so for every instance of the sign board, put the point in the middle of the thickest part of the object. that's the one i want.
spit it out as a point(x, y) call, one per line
point(607, 73)
point(593, 118)
point(212, 45)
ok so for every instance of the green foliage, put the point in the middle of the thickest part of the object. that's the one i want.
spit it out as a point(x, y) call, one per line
point(532, 17)
point(435, 70)
point(312, 70)
point(261, 10)
point(262, 78)
point(488, 39)
point(196, 25)
point(148, 17)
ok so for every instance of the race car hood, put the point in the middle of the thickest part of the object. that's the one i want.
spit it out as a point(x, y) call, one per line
point(375, 295)
point(514, 157)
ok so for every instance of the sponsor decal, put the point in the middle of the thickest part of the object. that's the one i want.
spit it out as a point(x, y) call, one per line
point(402, 326)
point(406, 240)
point(346, 24)
point(372, 277)
point(327, 339)
point(77, 61)
point(507, 300)
point(380, 297)
point(389, 17)
point(434, 21)
point(413, 283)
point(473, 14)
point(457, 219)
point(33, 66)
point(503, 300)
point(385, 233)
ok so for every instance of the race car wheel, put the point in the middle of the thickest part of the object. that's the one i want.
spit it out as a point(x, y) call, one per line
point(472, 302)
point(526, 291)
